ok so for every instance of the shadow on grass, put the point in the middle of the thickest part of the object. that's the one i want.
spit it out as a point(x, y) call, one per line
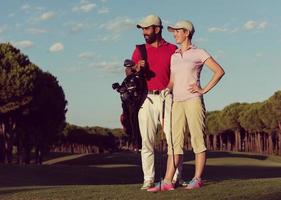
point(5, 191)
point(222, 154)
point(135, 158)
point(120, 158)
point(122, 168)
point(220, 173)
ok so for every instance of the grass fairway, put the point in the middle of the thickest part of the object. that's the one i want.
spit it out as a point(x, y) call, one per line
point(119, 176)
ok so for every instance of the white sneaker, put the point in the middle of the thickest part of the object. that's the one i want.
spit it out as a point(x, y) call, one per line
point(147, 184)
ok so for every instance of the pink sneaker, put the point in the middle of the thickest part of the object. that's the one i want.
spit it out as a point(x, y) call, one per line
point(161, 186)
point(194, 184)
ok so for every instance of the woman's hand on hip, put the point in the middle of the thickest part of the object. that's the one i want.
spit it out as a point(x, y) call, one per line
point(193, 88)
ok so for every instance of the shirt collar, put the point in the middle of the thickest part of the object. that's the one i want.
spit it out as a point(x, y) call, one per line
point(192, 46)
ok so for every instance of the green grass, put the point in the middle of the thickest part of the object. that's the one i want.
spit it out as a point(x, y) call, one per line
point(119, 176)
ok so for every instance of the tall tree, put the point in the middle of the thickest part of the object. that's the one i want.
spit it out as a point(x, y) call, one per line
point(270, 114)
point(46, 114)
point(214, 128)
point(230, 123)
point(251, 122)
point(17, 75)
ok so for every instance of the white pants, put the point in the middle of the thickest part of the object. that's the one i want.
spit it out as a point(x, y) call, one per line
point(150, 115)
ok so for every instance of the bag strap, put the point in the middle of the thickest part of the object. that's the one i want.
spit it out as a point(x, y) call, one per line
point(143, 52)
point(148, 74)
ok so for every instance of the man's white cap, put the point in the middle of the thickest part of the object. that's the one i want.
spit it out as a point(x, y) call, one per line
point(182, 24)
point(149, 20)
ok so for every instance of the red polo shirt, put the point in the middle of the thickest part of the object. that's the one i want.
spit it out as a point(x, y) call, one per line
point(158, 59)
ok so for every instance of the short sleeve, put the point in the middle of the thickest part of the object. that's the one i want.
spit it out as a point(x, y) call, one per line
point(204, 55)
point(136, 55)
point(172, 63)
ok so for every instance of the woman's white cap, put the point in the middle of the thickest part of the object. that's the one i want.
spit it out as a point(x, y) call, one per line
point(182, 24)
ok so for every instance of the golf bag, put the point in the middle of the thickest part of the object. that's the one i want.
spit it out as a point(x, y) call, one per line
point(133, 91)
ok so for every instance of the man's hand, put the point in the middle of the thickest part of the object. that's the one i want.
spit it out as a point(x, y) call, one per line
point(128, 71)
point(139, 65)
point(165, 92)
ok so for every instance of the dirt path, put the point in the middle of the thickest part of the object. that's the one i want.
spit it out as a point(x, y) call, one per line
point(65, 158)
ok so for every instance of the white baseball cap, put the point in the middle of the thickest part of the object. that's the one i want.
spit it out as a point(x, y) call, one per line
point(149, 20)
point(182, 24)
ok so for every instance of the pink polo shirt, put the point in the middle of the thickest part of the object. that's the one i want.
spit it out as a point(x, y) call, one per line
point(186, 69)
point(158, 59)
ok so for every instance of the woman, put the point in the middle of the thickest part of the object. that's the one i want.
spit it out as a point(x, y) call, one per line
point(188, 107)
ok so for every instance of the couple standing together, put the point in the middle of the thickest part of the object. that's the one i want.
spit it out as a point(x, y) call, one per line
point(176, 82)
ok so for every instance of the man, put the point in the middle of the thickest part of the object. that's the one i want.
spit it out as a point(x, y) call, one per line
point(157, 67)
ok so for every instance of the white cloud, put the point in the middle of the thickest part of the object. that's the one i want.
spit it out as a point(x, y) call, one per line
point(74, 27)
point(262, 25)
point(108, 66)
point(25, 7)
point(216, 29)
point(86, 55)
point(112, 67)
point(77, 27)
point(47, 15)
point(36, 31)
point(24, 44)
point(57, 47)
point(250, 25)
point(84, 6)
point(106, 38)
point(103, 10)
point(118, 24)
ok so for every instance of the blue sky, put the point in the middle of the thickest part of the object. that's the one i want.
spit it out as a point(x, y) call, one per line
point(84, 42)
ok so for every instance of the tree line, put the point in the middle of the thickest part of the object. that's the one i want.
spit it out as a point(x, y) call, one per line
point(77, 139)
point(244, 127)
point(248, 127)
point(32, 107)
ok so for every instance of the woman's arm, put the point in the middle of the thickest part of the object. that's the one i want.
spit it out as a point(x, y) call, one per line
point(218, 73)
point(171, 82)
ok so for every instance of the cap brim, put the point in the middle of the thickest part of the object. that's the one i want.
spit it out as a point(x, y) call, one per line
point(144, 25)
point(139, 26)
point(171, 29)
point(147, 25)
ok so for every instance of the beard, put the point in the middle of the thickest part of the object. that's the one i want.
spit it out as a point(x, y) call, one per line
point(150, 38)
